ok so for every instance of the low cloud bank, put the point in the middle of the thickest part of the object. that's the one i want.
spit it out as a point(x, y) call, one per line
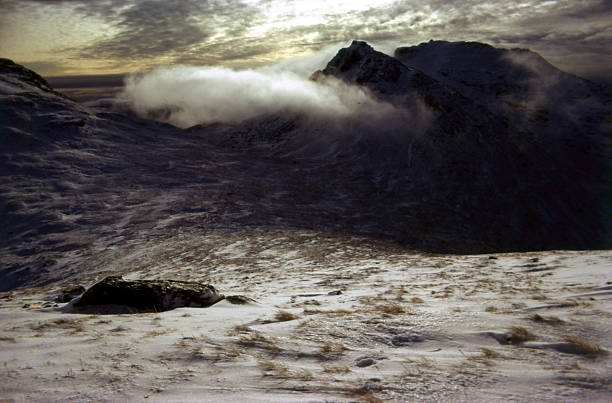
point(185, 96)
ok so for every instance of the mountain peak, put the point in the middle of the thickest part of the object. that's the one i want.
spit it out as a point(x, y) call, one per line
point(348, 58)
point(360, 63)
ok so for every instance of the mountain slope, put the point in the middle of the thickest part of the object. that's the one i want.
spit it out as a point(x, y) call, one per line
point(516, 83)
point(84, 187)
point(471, 179)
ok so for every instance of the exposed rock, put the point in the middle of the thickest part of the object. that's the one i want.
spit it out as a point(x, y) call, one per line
point(239, 300)
point(68, 294)
point(149, 295)
point(405, 339)
point(365, 362)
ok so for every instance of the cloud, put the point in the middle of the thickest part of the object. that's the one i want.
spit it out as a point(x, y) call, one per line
point(151, 29)
point(148, 33)
point(187, 95)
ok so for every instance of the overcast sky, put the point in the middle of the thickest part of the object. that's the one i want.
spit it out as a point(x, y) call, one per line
point(62, 37)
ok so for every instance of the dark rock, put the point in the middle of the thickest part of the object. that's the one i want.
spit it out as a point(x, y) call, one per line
point(68, 294)
point(149, 295)
point(239, 300)
point(404, 339)
point(337, 292)
point(365, 362)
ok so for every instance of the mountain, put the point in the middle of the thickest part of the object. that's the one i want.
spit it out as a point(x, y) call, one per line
point(516, 83)
point(479, 178)
point(83, 188)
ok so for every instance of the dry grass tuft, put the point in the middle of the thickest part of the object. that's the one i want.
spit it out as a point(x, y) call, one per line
point(518, 335)
point(155, 333)
point(551, 320)
point(76, 325)
point(364, 392)
point(330, 351)
point(284, 316)
point(331, 369)
point(238, 329)
point(273, 368)
point(490, 308)
point(586, 348)
point(392, 309)
point(277, 369)
point(488, 353)
point(416, 300)
point(257, 340)
point(226, 354)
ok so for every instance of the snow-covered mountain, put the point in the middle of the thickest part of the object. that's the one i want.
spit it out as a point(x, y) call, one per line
point(323, 224)
point(443, 171)
point(454, 168)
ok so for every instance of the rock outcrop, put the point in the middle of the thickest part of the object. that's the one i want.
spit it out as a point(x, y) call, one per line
point(149, 295)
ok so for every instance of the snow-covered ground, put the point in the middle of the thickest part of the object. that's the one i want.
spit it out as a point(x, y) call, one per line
point(317, 223)
point(335, 318)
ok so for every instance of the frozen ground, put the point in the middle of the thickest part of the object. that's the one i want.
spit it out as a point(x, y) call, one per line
point(335, 318)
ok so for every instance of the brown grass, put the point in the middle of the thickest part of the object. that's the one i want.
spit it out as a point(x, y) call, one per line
point(342, 369)
point(416, 300)
point(586, 348)
point(518, 335)
point(238, 329)
point(327, 312)
point(391, 309)
point(257, 340)
point(273, 368)
point(284, 316)
point(551, 320)
point(364, 392)
point(330, 351)
point(488, 353)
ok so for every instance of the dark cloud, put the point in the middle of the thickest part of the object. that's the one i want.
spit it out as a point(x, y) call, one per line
point(150, 29)
point(151, 32)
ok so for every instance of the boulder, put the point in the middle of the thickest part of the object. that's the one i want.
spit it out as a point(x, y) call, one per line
point(149, 295)
point(406, 339)
point(68, 294)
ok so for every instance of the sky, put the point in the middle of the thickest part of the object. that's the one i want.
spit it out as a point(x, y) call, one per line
point(89, 37)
